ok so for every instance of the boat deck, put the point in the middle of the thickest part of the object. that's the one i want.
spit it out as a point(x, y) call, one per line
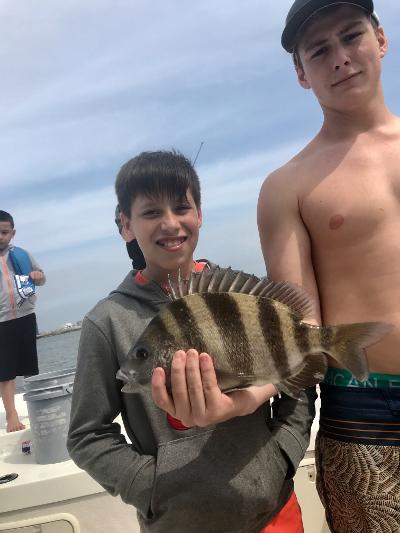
point(43, 490)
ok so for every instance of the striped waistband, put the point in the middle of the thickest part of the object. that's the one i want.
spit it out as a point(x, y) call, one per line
point(360, 415)
point(339, 377)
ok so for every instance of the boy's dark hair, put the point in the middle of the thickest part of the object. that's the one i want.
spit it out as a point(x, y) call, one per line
point(6, 217)
point(156, 174)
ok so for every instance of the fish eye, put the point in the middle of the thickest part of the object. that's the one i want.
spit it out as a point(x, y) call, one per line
point(142, 354)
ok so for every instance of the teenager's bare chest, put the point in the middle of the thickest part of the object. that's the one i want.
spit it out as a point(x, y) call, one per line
point(353, 198)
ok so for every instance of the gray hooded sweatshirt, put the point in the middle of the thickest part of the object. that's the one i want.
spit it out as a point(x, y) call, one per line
point(230, 478)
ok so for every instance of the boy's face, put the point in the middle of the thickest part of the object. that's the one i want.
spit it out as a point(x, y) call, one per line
point(167, 231)
point(6, 234)
point(340, 56)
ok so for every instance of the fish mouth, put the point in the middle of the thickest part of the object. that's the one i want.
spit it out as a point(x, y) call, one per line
point(130, 380)
point(134, 386)
point(171, 243)
point(129, 387)
point(123, 376)
point(344, 80)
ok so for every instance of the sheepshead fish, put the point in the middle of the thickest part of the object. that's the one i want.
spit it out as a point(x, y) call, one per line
point(255, 331)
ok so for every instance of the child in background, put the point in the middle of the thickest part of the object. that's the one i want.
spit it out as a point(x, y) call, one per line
point(18, 355)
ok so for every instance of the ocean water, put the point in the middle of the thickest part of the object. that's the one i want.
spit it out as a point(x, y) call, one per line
point(55, 353)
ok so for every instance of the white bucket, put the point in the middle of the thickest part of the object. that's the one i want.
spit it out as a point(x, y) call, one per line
point(48, 397)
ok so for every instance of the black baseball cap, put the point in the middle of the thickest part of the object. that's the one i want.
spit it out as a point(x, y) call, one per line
point(302, 10)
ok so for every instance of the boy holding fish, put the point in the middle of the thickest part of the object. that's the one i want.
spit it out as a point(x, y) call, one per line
point(234, 477)
point(329, 221)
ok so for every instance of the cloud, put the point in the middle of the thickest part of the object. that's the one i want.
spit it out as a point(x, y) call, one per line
point(86, 85)
point(91, 79)
point(80, 218)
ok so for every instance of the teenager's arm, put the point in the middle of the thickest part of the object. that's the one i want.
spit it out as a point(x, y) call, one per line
point(285, 242)
point(286, 247)
point(95, 442)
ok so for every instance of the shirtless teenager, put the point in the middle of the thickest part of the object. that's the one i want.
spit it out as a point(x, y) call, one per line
point(329, 220)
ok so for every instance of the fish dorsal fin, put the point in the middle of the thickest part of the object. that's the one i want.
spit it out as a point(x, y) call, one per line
point(218, 279)
point(294, 296)
point(212, 280)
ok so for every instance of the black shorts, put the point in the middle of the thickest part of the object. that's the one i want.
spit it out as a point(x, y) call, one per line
point(18, 355)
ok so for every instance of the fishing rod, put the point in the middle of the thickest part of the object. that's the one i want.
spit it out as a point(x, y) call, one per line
point(198, 151)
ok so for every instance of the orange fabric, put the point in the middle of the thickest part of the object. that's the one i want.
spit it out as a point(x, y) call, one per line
point(140, 279)
point(288, 520)
point(198, 266)
point(143, 280)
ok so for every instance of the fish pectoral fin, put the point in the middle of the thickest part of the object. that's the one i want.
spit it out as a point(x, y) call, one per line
point(229, 382)
point(238, 387)
point(244, 375)
point(312, 373)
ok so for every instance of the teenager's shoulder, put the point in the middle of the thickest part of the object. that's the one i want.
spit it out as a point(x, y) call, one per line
point(281, 181)
point(395, 126)
point(291, 176)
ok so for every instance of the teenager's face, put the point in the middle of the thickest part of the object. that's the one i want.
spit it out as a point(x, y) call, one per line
point(167, 232)
point(6, 234)
point(340, 56)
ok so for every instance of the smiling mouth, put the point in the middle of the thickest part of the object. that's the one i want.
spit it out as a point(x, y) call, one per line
point(346, 79)
point(171, 244)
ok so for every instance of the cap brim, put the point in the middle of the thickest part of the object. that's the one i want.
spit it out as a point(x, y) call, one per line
point(303, 15)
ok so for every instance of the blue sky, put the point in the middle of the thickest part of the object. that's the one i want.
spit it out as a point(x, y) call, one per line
point(87, 85)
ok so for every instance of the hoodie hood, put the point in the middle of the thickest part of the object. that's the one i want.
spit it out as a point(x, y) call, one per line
point(150, 291)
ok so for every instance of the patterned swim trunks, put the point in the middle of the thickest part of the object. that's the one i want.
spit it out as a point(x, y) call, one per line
point(358, 453)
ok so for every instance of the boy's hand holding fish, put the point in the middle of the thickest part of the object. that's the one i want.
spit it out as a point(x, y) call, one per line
point(196, 399)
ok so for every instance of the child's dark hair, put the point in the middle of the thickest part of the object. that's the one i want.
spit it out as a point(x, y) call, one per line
point(156, 174)
point(6, 217)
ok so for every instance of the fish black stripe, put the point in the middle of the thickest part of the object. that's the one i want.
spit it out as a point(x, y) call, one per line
point(270, 322)
point(228, 319)
point(301, 336)
point(161, 326)
point(327, 338)
point(187, 324)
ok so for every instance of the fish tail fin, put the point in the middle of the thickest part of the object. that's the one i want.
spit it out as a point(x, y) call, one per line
point(350, 342)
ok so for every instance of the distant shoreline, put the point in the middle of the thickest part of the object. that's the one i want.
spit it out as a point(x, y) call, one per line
point(59, 331)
